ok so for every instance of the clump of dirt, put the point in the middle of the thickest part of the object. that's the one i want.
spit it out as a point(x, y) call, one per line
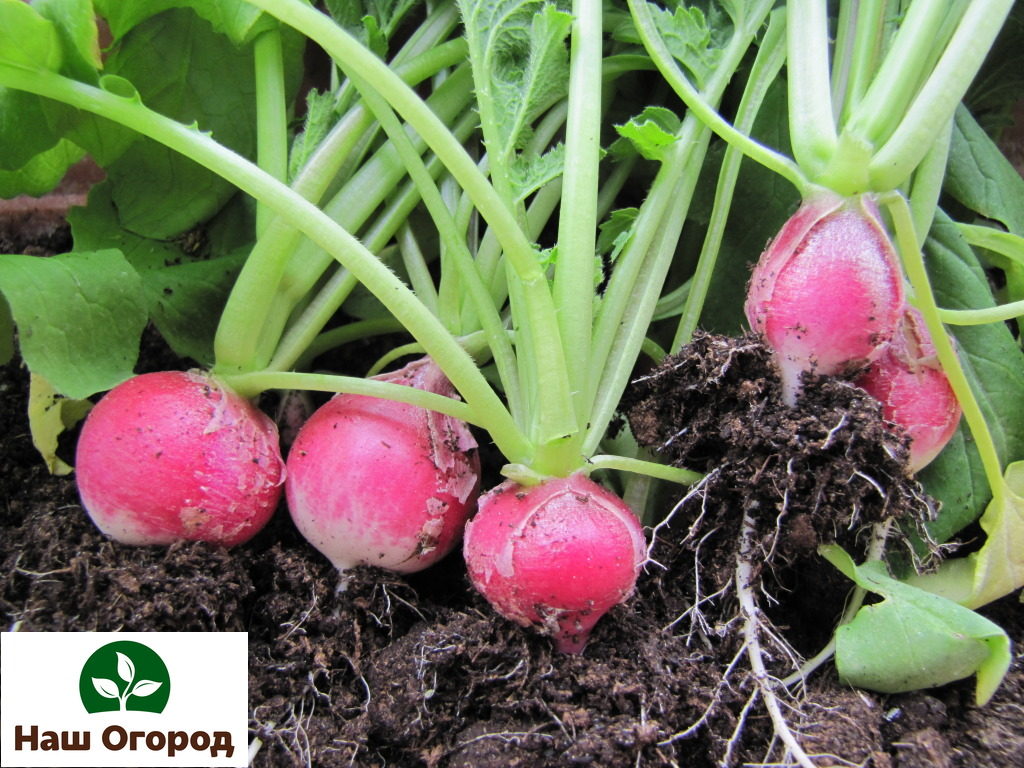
point(820, 472)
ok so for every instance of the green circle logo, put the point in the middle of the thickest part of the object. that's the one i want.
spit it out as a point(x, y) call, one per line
point(124, 676)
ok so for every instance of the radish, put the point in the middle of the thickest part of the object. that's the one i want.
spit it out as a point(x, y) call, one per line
point(377, 482)
point(827, 293)
point(174, 455)
point(914, 391)
point(557, 555)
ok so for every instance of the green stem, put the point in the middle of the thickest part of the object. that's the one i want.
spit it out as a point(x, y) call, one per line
point(705, 112)
point(639, 275)
point(554, 417)
point(454, 243)
point(937, 100)
point(358, 200)
point(999, 314)
point(240, 342)
point(642, 467)
point(295, 346)
point(900, 74)
point(769, 60)
point(416, 267)
point(812, 124)
point(842, 52)
point(127, 110)
point(259, 381)
point(926, 186)
point(913, 264)
point(354, 331)
point(329, 298)
point(1003, 243)
point(863, 62)
point(271, 113)
point(574, 279)
point(474, 343)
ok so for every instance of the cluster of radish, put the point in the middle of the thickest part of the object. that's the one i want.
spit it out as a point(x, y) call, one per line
point(371, 481)
point(828, 297)
point(177, 456)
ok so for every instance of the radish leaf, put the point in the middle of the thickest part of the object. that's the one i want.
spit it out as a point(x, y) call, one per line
point(237, 19)
point(980, 176)
point(518, 49)
point(79, 317)
point(914, 639)
point(184, 291)
point(999, 565)
point(184, 69)
point(651, 132)
point(49, 415)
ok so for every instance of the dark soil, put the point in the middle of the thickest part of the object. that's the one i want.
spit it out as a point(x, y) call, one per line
point(418, 671)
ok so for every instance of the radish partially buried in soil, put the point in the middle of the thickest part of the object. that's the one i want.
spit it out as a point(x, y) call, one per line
point(914, 391)
point(378, 482)
point(175, 456)
point(557, 555)
point(827, 293)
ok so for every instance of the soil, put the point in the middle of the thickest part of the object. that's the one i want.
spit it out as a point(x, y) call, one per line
point(378, 669)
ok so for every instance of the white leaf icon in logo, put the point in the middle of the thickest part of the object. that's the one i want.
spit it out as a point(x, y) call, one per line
point(145, 688)
point(106, 688)
point(125, 667)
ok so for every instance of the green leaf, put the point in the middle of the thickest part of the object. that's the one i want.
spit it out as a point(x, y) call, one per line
point(980, 177)
point(370, 19)
point(26, 38)
point(49, 415)
point(518, 48)
point(651, 132)
point(75, 22)
point(42, 173)
point(529, 172)
point(184, 69)
point(24, 129)
point(615, 231)
point(321, 116)
point(994, 364)
point(914, 639)
point(79, 316)
point(693, 39)
point(999, 564)
point(184, 292)
point(237, 19)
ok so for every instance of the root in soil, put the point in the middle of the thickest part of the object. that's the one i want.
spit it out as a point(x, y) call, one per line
point(780, 481)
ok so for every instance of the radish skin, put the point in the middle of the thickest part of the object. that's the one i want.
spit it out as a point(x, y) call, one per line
point(556, 556)
point(914, 391)
point(377, 482)
point(827, 294)
point(175, 456)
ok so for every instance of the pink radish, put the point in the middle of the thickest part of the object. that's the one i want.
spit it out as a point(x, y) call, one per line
point(827, 293)
point(173, 455)
point(914, 391)
point(557, 555)
point(377, 482)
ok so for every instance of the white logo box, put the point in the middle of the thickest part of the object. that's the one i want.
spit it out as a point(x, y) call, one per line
point(205, 722)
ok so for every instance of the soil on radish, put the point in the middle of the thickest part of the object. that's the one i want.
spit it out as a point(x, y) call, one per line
point(418, 671)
